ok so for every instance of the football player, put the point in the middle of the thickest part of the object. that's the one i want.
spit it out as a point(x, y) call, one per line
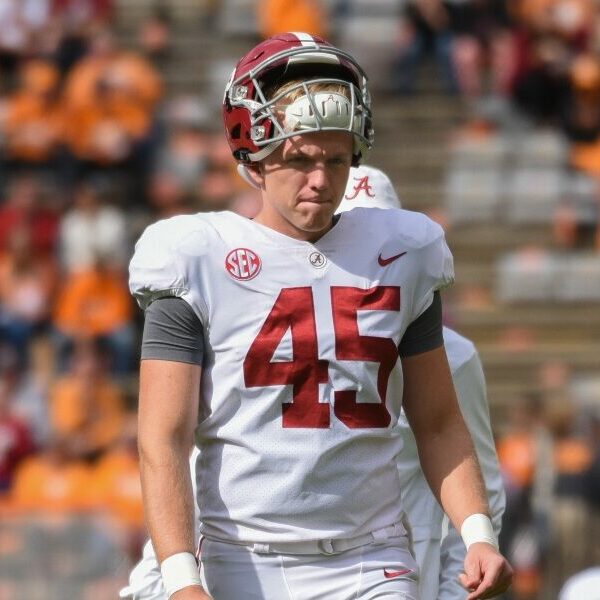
point(440, 557)
point(300, 332)
point(438, 548)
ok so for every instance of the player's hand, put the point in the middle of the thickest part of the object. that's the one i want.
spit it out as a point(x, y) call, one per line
point(487, 573)
point(192, 592)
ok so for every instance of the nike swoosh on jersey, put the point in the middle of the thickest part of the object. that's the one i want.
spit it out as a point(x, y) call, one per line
point(386, 261)
point(391, 574)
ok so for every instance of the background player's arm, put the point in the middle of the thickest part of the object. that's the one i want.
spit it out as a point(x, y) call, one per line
point(469, 382)
point(168, 411)
point(449, 461)
point(452, 558)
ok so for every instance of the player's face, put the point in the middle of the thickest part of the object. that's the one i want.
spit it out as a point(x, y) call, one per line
point(302, 183)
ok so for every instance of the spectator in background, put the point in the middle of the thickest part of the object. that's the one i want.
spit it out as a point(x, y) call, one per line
point(553, 32)
point(107, 65)
point(569, 21)
point(117, 487)
point(111, 97)
point(581, 117)
point(188, 140)
point(90, 228)
point(524, 534)
point(167, 196)
point(94, 304)
point(110, 130)
point(74, 22)
point(592, 488)
point(35, 119)
point(27, 285)
point(23, 209)
point(275, 16)
point(426, 27)
point(84, 12)
point(483, 44)
point(28, 390)
point(542, 86)
point(572, 456)
point(220, 184)
point(581, 121)
point(16, 436)
point(216, 188)
point(21, 25)
point(52, 481)
point(154, 35)
point(87, 408)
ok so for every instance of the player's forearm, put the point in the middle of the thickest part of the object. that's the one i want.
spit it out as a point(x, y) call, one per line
point(168, 502)
point(446, 451)
point(450, 465)
point(167, 417)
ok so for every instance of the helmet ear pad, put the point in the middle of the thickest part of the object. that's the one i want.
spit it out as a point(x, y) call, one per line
point(250, 174)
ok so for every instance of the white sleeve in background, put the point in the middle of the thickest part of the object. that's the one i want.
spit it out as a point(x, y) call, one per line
point(145, 580)
point(440, 557)
point(452, 558)
point(471, 392)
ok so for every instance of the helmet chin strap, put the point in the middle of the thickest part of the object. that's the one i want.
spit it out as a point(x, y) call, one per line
point(320, 111)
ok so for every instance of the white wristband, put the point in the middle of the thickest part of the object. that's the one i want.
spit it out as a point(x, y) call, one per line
point(478, 528)
point(178, 571)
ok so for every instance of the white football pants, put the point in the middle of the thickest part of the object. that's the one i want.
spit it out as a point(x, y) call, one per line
point(376, 571)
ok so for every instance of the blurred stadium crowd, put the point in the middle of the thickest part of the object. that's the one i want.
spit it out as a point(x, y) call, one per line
point(95, 144)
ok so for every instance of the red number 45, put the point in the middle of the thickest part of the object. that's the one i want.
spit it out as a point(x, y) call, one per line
point(294, 310)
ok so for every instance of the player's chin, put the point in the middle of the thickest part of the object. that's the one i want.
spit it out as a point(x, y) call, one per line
point(315, 216)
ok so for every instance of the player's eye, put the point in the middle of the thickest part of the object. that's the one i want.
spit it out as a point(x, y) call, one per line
point(298, 160)
point(338, 161)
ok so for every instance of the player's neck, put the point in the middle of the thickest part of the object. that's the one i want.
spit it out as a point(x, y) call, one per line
point(288, 229)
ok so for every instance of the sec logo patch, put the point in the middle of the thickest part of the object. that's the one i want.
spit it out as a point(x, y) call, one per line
point(243, 264)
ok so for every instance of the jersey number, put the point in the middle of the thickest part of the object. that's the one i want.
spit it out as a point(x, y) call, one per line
point(294, 310)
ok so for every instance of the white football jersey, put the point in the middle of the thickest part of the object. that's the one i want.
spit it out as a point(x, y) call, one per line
point(301, 382)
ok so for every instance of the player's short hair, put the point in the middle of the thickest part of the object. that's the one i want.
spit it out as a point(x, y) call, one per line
point(291, 90)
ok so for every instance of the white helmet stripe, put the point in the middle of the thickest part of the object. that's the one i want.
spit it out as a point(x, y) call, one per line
point(305, 38)
point(307, 41)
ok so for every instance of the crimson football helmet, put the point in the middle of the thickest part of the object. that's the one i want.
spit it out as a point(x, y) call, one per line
point(255, 128)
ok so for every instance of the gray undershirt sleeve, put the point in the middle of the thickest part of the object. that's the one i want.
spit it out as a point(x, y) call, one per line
point(425, 332)
point(172, 331)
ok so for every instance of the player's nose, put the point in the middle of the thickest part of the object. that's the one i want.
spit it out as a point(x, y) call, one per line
point(319, 178)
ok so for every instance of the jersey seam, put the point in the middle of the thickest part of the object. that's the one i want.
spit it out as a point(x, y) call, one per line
point(175, 292)
point(285, 581)
point(360, 574)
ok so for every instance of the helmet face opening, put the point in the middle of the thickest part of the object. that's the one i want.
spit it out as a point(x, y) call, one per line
point(329, 93)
